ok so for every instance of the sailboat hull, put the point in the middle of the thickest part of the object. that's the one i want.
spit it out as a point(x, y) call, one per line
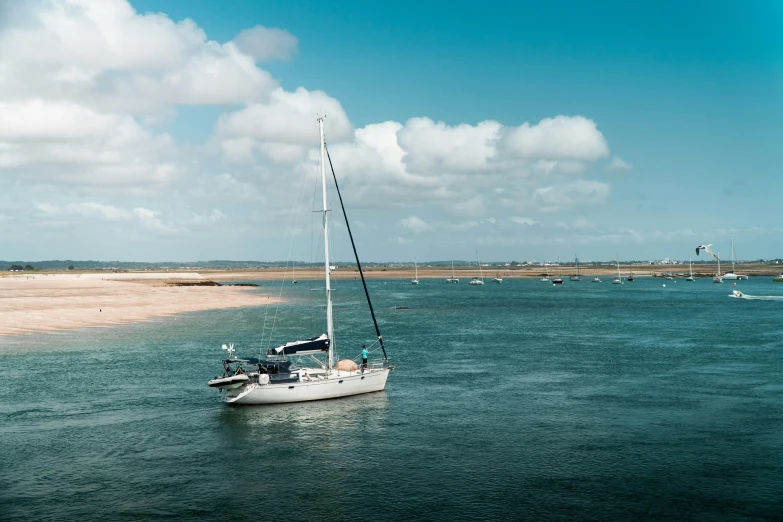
point(343, 384)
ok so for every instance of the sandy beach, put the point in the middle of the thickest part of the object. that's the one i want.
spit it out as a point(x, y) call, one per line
point(50, 302)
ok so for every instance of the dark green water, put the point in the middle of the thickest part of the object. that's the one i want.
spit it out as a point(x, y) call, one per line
point(520, 400)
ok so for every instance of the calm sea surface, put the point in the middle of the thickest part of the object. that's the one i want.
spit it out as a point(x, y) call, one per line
point(520, 400)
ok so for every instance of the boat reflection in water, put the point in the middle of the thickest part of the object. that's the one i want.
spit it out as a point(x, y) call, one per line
point(304, 422)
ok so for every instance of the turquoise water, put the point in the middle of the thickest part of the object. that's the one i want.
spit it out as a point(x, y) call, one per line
point(524, 399)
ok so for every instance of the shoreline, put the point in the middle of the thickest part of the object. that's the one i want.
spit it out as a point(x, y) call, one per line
point(40, 303)
point(468, 272)
point(48, 301)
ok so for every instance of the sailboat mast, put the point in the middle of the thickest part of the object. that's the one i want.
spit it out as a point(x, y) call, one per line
point(718, 262)
point(329, 323)
point(732, 252)
point(617, 258)
point(481, 274)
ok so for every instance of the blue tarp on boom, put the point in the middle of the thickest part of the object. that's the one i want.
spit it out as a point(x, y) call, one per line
point(308, 346)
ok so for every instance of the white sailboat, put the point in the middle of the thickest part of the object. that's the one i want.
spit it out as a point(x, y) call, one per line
point(717, 278)
point(559, 279)
point(618, 280)
point(278, 379)
point(690, 270)
point(293, 273)
point(415, 280)
point(497, 278)
point(576, 276)
point(733, 276)
point(478, 280)
point(452, 279)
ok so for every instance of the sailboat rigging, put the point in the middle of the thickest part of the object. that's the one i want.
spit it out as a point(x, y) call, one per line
point(277, 379)
point(690, 270)
point(415, 280)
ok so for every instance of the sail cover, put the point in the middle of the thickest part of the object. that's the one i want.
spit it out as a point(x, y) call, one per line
point(308, 346)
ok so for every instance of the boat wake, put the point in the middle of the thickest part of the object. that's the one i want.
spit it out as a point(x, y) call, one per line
point(739, 295)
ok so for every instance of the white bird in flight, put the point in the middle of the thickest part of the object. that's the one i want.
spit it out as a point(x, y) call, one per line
point(706, 248)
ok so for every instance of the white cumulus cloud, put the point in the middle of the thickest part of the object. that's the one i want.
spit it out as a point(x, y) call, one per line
point(618, 164)
point(264, 43)
point(415, 224)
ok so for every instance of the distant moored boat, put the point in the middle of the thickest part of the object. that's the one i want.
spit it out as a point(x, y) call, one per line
point(618, 280)
point(452, 279)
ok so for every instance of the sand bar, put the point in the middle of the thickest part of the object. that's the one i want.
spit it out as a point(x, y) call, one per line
point(51, 302)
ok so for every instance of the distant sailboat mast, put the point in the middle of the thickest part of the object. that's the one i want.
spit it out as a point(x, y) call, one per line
point(732, 253)
point(718, 274)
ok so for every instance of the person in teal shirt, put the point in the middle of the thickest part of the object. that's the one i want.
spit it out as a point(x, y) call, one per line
point(365, 353)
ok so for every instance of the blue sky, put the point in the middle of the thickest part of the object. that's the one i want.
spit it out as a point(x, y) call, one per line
point(687, 98)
